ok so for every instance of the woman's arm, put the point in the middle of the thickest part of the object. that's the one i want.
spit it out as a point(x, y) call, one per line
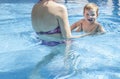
point(64, 23)
point(82, 35)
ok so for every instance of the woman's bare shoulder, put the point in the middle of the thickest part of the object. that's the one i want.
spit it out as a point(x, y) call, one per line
point(61, 7)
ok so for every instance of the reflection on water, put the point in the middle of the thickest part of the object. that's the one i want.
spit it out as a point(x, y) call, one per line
point(92, 57)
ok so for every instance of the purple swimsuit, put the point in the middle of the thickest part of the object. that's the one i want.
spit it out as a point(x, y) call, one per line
point(51, 43)
point(56, 30)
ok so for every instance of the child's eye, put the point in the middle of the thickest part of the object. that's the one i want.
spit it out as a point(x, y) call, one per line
point(93, 15)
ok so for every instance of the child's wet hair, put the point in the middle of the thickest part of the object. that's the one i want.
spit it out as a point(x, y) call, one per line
point(90, 6)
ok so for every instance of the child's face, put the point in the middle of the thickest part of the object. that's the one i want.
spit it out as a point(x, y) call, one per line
point(90, 15)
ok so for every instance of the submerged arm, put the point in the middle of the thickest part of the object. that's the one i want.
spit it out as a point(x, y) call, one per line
point(83, 35)
point(97, 32)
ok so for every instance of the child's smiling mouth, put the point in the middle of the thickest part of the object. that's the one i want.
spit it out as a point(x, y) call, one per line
point(91, 20)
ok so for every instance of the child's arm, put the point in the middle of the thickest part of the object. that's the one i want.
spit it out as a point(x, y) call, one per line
point(75, 25)
point(98, 29)
point(101, 29)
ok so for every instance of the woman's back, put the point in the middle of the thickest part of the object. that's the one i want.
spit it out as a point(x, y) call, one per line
point(48, 15)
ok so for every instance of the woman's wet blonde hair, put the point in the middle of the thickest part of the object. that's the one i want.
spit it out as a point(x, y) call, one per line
point(90, 6)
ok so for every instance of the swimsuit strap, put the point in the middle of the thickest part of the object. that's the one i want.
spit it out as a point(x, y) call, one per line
point(97, 28)
point(56, 30)
point(81, 26)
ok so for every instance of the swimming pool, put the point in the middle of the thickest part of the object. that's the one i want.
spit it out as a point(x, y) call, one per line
point(91, 57)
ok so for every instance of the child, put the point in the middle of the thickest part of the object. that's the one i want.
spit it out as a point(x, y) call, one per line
point(89, 23)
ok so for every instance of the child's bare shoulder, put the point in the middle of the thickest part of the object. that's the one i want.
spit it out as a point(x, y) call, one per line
point(98, 24)
point(80, 21)
point(100, 27)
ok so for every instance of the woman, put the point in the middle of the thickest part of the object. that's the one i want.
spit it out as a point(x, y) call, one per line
point(50, 22)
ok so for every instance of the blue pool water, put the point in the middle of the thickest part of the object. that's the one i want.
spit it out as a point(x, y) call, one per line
point(91, 57)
